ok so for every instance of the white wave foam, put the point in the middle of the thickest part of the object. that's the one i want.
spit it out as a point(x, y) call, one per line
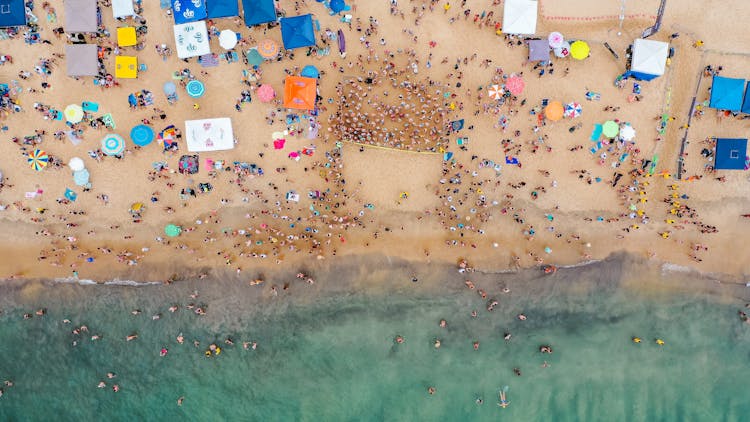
point(87, 282)
point(73, 280)
point(674, 268)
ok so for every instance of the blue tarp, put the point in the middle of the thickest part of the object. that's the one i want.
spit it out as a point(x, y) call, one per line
point(188, 10)
point(746, 102)
point(727, 93)
point(730, 154)
point(222, 8)
point(12, 13)
point(297, 32)
point(258, 11)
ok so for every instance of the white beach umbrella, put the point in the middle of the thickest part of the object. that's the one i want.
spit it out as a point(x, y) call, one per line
point(627, 133)
point(227, 39)
point(76, 164)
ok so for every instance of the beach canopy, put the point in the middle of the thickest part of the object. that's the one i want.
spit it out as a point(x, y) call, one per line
point(195, 88)
point(268, 49)
point(80, 16)
point(299, 92)
point(122, 8)
point(580, 50)
point(258, 11)
point(38, 159)
point(746, 102)
point(538, 50)
point(185, 11)
point(727, 93)
point(310, 71)
point(253, 57)
point(113, 144)
point(172, 230)
point(519, 17)
point(265, 93)
point(297, 32)
point(126, 67)
point(126, 36)
point(222, 8)
point(12, 13)
point(730, 154)
point(81, 59)
point(227, 39)
point(554, 111)
point(76, 164)
point(191, 39)
point(209, 134)
point(73, 113)
point(142, 135)
point(649, 59)
point(610, 129)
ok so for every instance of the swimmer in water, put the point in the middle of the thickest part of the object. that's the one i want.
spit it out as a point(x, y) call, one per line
point(135, 312)
point(507, 336)
point(522, 317)
point(476, 345)
point(101, 384)
point(111, 375)
point(173, 308)
point(517, 371)
point(180, 400)
point(180, 338)
point(437, 343)
point(399, 339)
point(660, 342)
point(131, 337)
point(115, 388)
point(503, 400)
point(443, 323)
point(431, 390)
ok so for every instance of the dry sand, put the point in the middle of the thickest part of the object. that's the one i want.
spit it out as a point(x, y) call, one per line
point(408, 227)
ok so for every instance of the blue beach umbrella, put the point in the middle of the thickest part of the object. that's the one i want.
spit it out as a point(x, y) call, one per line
point(70, 194)
point(81, 177)
point(310, 71)
point(337, 5)
point(195, 89)
point(169, 88)
point(142, 135)
point(253, 57)
point(113, 144)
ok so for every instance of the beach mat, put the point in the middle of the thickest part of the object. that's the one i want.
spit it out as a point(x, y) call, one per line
point(596, 133)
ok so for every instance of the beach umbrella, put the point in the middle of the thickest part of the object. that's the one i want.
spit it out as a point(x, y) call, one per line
point(195, 88)
point(227, 39)
point(562, 51)
point(268, 48)
point(579, 50)
point(76, 164)
point(171, 230)
point(169, 88)
point(81, 177)
point(70, 194)
point(113, 144)
point(265, 93)
point(573, 109)
point(337, 6)
point(495, 92)
point(610, 128)
point(38, 159)
point(253, 57)
point(515, 84)
point(310, 71)
point(627, 133)
point(556, 40)
point(554, 111)
point(142, 135)
point(73, 113)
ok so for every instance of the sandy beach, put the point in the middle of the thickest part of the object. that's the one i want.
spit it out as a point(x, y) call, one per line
point(397, 197)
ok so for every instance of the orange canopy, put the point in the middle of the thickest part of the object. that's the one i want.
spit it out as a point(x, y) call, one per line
point(554, 111)
point(299, 93)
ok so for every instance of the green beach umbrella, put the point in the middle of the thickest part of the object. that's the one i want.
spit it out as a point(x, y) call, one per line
point(610, 128)
point(171, 230)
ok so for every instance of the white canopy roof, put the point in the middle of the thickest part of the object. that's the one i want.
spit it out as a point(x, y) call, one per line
point(122, 8)
point(649, 57)
point(191, 39)
point(209, 134)
point(519, 17)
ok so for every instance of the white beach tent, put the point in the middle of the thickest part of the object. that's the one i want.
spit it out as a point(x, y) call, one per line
point(649, 59)
point(122, 8)
point(209, 134)
point(519, 17)
point(191, 39)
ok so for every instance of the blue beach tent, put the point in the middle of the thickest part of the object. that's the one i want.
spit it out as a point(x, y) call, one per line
point(730, 154)
point(185, 11)
point(222, 8)
point(258, 11)
point(297, 32)
point(746, 102)
point(727, 93)
point(12, 13)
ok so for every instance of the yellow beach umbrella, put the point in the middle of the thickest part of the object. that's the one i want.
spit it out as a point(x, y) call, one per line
point(73, 113)
point(579, 50)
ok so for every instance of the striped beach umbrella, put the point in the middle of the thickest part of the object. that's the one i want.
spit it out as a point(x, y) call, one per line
point(113, 144)
point(573, 109)
point(38, 159)
point(495, 92)
point(195, 88)
point(268, 48)
point(73, 113)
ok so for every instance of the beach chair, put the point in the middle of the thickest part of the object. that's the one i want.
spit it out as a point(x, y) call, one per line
point(90, 106)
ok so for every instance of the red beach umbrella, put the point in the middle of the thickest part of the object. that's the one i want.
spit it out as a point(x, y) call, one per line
point(515, 84)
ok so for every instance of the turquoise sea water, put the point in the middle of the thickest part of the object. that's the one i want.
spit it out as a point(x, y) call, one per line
point(326, 352)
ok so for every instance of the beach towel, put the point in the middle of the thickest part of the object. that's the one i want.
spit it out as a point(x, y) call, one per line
point(596, 133)
point(208, 60)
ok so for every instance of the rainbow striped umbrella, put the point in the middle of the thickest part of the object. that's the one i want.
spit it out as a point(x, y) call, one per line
point(38, 159)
